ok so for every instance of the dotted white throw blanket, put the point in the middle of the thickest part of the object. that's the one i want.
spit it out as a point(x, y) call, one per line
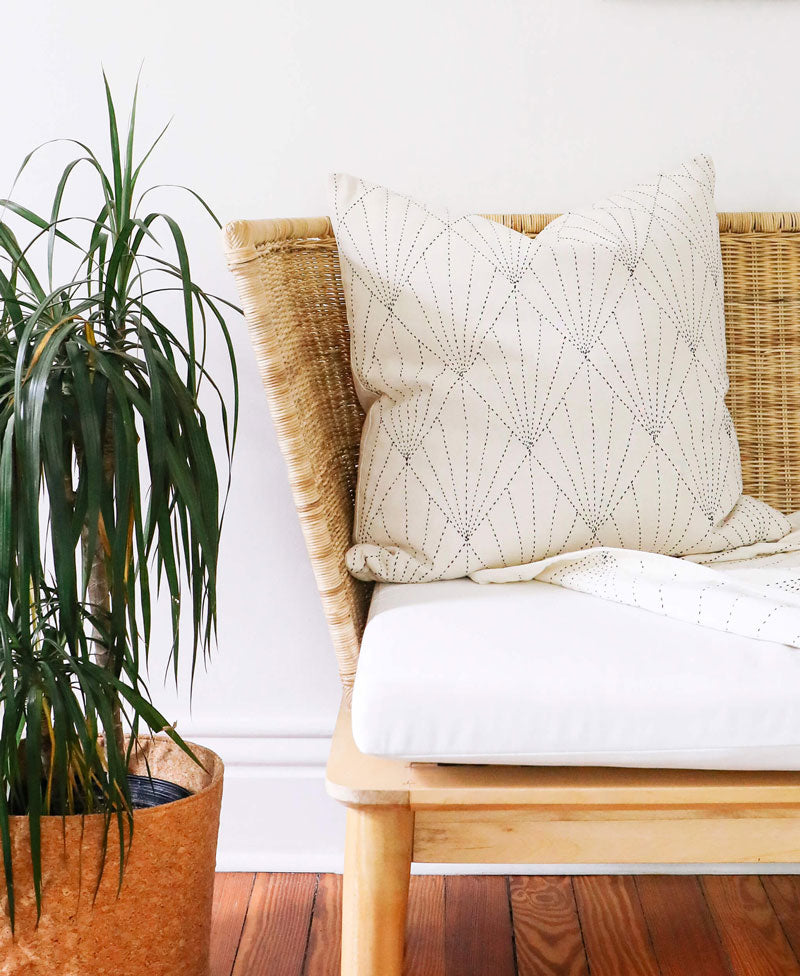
point(752, 590)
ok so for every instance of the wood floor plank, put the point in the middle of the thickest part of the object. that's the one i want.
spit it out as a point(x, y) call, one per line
point(231, 895)
point(477, 924)
point(276, 929)
point(547, 932)
point(783, 891)
point(324, 952)
point(682, 931)
point(614, 929)
point(270, 924)
point(748, 926)
point(425, 944)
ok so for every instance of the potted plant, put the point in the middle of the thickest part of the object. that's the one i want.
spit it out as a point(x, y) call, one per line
point(108, 490)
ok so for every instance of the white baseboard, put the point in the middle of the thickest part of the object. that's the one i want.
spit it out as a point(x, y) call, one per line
point(276, 816)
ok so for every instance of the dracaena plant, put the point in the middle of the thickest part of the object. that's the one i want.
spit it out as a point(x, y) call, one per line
point(109, 490)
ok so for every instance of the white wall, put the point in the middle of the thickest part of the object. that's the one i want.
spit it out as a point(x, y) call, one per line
point(506, 105)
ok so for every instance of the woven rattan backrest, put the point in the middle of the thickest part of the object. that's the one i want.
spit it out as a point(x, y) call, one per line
point(287, 273)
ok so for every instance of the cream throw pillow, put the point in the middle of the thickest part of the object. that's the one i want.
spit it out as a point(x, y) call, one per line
point(526, 397)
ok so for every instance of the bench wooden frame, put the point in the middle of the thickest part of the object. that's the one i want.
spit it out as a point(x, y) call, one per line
point(402, 812)
point(288, 278)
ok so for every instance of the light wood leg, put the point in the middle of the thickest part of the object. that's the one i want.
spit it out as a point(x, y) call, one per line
point(377, 866)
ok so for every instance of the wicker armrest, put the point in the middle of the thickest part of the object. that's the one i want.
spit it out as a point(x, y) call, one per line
point(288, 279)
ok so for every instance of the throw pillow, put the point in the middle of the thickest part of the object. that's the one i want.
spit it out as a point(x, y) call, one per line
point(529, 397)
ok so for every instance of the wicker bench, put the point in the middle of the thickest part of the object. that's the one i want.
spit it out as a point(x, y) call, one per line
point(287, 272)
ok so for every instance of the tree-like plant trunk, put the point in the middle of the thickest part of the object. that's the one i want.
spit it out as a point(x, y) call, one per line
point(99, 599)
point(99, 592)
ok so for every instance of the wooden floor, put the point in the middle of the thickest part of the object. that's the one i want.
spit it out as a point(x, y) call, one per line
point(650, 925)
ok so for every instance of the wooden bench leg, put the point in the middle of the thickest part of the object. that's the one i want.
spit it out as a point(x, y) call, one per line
point(377, 866)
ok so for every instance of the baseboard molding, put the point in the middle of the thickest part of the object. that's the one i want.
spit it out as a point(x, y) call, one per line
point(276, 816)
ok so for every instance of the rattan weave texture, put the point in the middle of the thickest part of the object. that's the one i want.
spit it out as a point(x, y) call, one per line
point(287, 275)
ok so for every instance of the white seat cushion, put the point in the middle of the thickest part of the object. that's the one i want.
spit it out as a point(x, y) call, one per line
point(534, 674)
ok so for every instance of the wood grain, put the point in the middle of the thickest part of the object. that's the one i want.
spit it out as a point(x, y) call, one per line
point(614, 929)
point(547, 931)
point(478, 937)
point(783, 891)
point(425, 950)
point(377, 871)
point(748, 926)
point(592, 836)
point(652, 925)
point(324, 952)
point(231, 897)
point(681, 928)
point(276, 928)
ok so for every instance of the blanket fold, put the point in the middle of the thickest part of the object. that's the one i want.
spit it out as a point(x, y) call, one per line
point(752, 590)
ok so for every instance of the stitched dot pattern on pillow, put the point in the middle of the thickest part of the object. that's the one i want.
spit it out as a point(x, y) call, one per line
point(527, 398)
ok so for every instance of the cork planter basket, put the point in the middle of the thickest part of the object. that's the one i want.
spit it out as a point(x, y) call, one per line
point(159, 922)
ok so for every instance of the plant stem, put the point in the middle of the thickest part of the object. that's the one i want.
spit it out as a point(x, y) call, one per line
point(99, 599)
point(99, 591)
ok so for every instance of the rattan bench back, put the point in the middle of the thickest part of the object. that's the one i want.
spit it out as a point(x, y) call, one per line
point(287, 274)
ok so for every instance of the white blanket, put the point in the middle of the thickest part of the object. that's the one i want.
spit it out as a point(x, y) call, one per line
point(751, 590)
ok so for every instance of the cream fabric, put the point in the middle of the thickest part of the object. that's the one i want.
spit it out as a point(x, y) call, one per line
point(753, 591)
point(532, 673)
point(527, 398)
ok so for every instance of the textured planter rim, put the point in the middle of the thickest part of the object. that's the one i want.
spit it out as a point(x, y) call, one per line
point(160, 921)
point(215, 774)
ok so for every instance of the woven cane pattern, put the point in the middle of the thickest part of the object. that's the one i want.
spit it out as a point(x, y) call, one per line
point(289, 282)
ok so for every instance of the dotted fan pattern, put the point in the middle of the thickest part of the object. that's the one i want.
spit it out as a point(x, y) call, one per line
point(527, 398)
